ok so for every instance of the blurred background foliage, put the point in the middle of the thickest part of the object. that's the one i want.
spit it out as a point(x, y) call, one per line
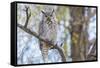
point(28, 46)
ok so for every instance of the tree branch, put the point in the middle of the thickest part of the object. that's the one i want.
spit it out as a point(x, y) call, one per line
point(92, 44)
point(63, 58)
point(28, 15)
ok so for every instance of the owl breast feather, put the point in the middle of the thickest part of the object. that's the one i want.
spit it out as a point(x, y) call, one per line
point(49, 32)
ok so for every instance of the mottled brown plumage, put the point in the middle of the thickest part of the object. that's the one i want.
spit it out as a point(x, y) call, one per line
point(48, 31)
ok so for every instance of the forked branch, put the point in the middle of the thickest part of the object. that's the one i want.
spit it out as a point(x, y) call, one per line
point(28, 15)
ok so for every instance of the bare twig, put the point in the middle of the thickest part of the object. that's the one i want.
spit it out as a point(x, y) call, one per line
point(92, 45)
point(91, 55)
point(28, 15)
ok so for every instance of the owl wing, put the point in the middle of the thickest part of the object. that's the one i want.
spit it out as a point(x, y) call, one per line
point(43, 45)
point(41, 29)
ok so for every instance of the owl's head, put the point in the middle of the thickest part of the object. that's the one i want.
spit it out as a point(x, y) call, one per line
point(48, 16)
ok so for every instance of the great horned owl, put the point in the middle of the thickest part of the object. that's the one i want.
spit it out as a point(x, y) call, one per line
point(48, 31)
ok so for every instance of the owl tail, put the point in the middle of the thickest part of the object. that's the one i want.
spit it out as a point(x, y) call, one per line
point(44, 50)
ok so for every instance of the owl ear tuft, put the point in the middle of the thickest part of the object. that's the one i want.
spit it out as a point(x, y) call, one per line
point(52, 12)
point(42, 11)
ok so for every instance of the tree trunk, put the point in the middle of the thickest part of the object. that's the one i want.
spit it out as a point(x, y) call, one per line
point(77, 34)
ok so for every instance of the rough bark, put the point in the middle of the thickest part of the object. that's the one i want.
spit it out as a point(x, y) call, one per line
point(76, 23)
